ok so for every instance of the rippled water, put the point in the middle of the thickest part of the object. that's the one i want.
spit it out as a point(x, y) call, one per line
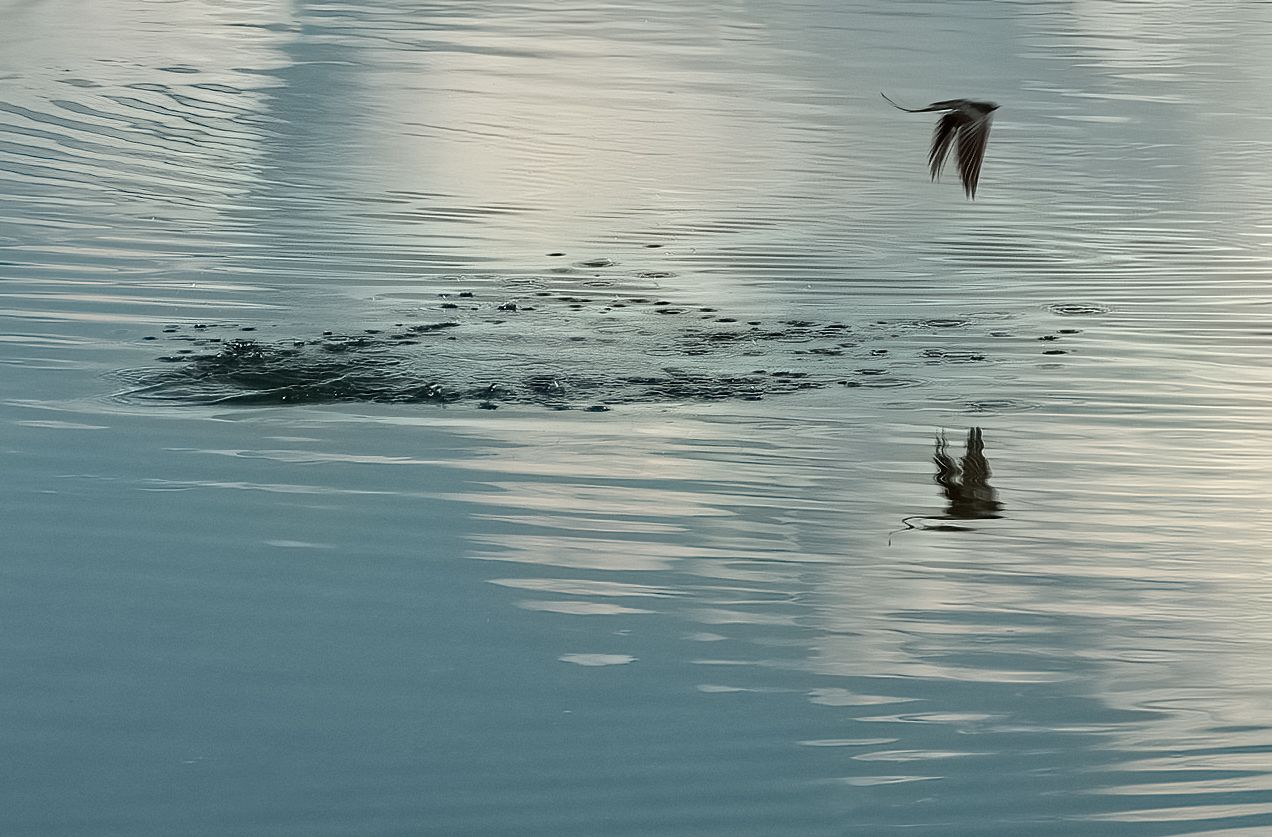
point(901, 513)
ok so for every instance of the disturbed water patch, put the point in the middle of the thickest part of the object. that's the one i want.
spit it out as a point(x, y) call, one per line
point(1079, 309)
point(552, 349)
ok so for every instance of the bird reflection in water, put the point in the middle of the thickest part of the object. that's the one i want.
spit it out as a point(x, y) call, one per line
point(968, 494)
point(965, 484)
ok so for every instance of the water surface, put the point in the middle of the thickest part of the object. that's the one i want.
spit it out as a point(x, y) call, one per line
point(1002, 570)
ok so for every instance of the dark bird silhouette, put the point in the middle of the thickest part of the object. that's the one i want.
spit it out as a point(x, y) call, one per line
point(965, 123)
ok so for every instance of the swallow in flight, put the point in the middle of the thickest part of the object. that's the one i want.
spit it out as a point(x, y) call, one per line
point(965, 125)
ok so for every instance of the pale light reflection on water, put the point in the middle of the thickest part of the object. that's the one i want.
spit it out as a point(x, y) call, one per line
point(906, 512)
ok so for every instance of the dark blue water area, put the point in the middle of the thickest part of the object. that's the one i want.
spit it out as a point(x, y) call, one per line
point(352, 674)
point(304, 637)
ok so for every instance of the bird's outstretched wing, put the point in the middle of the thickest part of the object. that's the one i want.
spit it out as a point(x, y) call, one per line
point(972, 137)
point(947, 128)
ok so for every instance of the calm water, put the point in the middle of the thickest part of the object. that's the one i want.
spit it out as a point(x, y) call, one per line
point(755, 614)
